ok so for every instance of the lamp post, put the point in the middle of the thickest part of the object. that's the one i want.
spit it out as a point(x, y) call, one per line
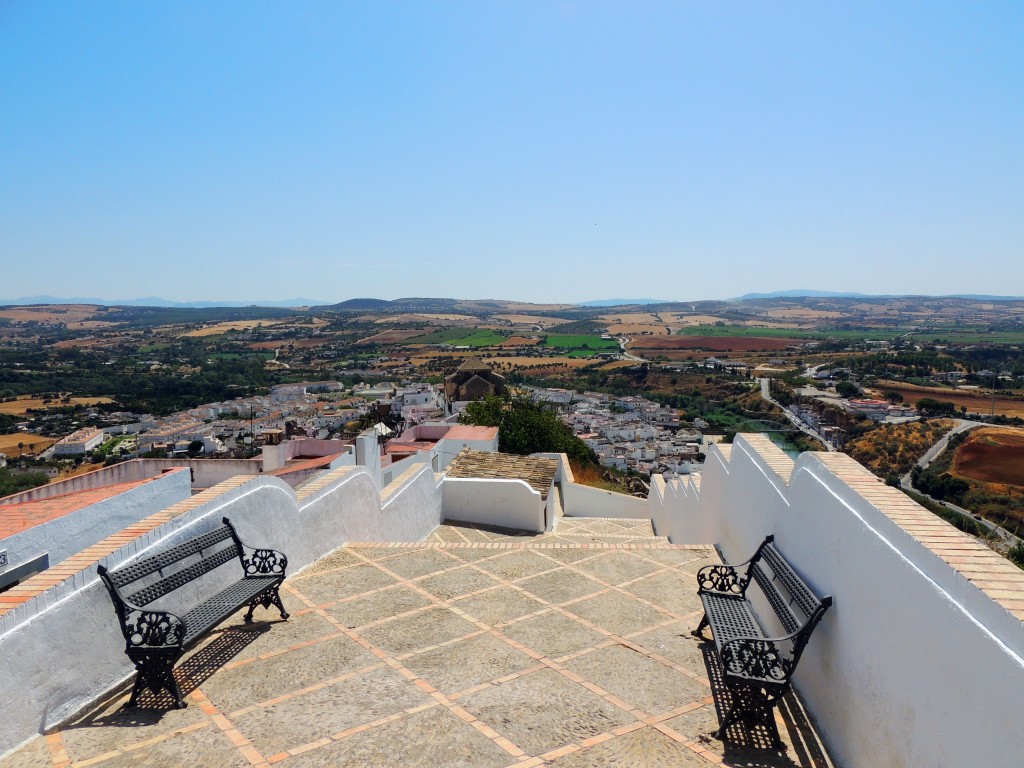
point(252, 435)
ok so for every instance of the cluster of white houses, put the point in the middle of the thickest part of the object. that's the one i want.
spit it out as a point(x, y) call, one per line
point(629, 432)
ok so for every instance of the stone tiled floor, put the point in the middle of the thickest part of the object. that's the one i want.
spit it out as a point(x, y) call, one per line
point(476, 648)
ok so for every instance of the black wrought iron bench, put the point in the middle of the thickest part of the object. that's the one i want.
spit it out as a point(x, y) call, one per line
point(757, 668)
point(156, 639)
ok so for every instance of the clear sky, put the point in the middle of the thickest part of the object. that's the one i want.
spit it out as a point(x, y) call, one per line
point(539, 151)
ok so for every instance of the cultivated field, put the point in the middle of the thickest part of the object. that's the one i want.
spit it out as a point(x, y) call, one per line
point(975, 402)
point(993, 455)
point(33, 444)
point(21, 406)
point(713, 343)
point(529, 319)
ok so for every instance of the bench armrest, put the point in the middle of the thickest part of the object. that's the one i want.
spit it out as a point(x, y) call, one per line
point(760, 658)
point(723, 580)
point(145, 629)
point(142, 627)
point(258, 561)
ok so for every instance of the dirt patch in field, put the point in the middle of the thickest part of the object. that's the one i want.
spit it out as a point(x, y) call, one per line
point(810, 314)
point(391, 337)
point(632, 318)
point(520, 341)
point(713, 343)
point(33, 444)
point(992, 455)
point(52, 314)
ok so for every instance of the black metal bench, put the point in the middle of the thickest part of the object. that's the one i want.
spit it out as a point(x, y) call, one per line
point(756, 667)
point(156, 639)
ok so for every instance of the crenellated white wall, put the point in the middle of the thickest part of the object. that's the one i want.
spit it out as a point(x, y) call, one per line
point(78, 616)
point(914, 665)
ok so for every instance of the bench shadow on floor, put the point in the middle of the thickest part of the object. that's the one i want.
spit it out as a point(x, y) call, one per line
point(195, 669)
point(751, 747)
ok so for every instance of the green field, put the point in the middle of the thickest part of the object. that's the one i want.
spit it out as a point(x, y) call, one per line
point(462, 337)
point(579, 342)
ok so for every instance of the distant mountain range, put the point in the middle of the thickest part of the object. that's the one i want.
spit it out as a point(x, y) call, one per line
point(620, 302)
point(425, 304)
point(155, 301)
point(797, 293)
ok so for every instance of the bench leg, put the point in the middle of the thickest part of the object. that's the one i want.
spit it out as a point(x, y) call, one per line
point(753, 705)
point(699, 631)
point(155, 671)
point(271, 597)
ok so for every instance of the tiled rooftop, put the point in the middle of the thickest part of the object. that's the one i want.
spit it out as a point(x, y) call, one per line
point(475, 648)
point(15, 518)
point(539, 473)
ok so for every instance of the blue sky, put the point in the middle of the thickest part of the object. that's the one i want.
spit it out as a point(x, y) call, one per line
point(539, 151)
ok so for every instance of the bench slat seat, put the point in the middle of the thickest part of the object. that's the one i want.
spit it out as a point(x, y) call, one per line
point(757, 667)
point(214, 610)
point(155, 639)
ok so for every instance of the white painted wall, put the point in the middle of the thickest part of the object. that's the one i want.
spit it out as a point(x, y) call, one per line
point(585, 501)
point(505, 503)
point(913, 665)
point(78, 614)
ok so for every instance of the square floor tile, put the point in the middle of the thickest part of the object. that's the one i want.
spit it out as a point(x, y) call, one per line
point(259, 637)
point(675, 643)
point(337, 585)
point(462, 665)
point(378, 605)
point(571, 554)
point(647, 684)
point(617, 613)
point(617, 567)
point(35, 754)
point(517, 564)
point(668, 590)
point(455, 583)
point(434, 738)
point(497, 606)
point(553, 634)
point(339, 558)
point(543, 711)
point(420, 562)
point(321, 713)
point(433, 626)
point(249, 684)
point(560, 586)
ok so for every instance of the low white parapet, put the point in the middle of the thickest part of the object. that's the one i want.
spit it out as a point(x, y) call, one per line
point(916, 664)
point(501, 503)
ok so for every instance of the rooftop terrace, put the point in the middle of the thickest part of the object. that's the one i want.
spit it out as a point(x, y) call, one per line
point(475, 648)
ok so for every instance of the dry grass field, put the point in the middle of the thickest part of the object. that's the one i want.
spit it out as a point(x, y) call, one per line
point(529, 319)
point(632, 318)
point(992, 455)
point(33, 444)
point(52, 314)
point(21, 406)
point(803, 314)
point(233, 325)
point(638, 329)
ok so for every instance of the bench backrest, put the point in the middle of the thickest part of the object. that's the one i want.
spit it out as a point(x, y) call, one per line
point(793, 602)
point(212, 551)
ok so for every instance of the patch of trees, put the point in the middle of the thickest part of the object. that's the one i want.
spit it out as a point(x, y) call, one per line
point(526, 427)
point(929, 406)
point(16, 482)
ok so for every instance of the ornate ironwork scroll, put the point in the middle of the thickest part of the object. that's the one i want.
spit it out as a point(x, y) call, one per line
point(264, 562)
point(759, 659)
point(153, 629)
point(722, 578)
